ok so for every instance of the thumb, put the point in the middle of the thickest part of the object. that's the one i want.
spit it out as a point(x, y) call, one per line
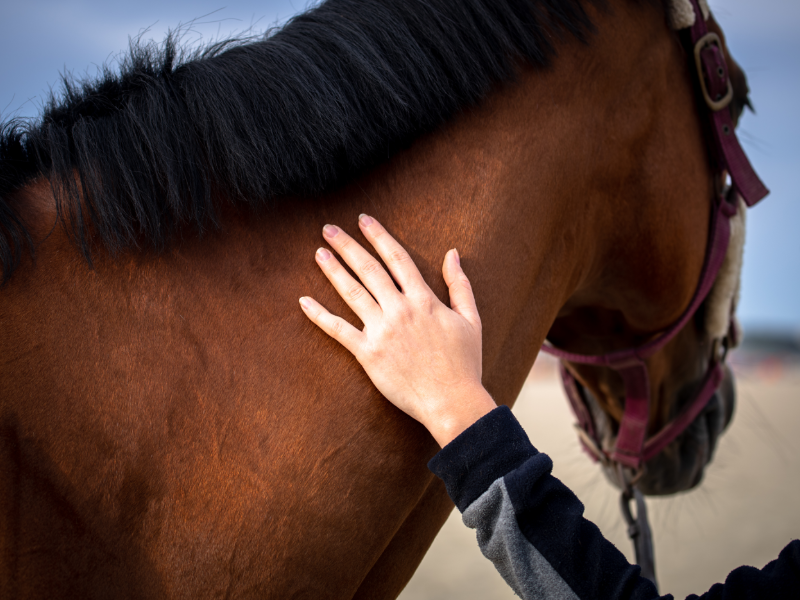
point(462, 300)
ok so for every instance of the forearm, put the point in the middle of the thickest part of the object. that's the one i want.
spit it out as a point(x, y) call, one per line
point(528, 523)
point(531, 526)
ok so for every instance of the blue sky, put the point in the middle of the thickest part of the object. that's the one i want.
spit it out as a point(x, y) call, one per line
point(40, 39)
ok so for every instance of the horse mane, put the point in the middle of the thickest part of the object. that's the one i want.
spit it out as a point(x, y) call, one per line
point(133, 155)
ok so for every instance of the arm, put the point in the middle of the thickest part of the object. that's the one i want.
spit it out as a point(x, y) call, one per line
point(528, 523)
point(426, 359)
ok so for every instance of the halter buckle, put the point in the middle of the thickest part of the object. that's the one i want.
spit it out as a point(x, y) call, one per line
point(715, 60)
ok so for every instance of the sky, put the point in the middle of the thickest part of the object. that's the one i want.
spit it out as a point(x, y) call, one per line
point(41, 39)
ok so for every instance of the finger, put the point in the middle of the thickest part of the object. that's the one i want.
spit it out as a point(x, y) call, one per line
point(366, 267)
point(396, 257)
point(462, 299)
point(349, 289)
point(336, 327)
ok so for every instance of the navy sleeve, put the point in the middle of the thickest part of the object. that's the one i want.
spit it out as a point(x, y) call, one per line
point(531, 526)
point(779, 579)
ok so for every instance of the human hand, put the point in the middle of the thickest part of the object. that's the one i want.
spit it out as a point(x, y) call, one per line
point(424, 357)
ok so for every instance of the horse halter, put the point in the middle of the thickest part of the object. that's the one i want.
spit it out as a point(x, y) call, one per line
point(633, 448)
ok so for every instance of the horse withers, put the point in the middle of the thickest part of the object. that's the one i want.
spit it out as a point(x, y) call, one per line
point(172, 426)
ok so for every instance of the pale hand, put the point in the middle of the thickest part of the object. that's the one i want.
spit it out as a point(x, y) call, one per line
point(423, 356)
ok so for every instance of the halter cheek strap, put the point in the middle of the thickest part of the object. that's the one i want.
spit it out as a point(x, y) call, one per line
point(633, 448)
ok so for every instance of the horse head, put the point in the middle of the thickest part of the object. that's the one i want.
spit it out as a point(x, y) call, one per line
point(681, 370)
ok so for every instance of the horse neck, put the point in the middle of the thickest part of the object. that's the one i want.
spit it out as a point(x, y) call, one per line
point(561, 193)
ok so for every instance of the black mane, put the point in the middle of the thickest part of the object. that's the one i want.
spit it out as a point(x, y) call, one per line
point(332, 93)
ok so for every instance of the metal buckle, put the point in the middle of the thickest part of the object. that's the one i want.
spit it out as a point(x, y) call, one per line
point(708, 40)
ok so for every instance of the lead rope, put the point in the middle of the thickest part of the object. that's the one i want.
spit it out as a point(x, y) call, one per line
point(639, 530)
point(639, 533)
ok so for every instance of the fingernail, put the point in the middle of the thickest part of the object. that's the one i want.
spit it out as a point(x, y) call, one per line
point(365, 220)
point(304, 302)
point(330, 231)
point(458, 258)
point(323, 254)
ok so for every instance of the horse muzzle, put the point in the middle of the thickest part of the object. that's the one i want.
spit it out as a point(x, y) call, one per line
point(681, 464)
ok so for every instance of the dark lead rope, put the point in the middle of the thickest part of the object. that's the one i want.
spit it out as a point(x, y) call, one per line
point(639, 532)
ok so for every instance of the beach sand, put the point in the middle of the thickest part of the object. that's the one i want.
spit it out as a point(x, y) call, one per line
point(744, 512)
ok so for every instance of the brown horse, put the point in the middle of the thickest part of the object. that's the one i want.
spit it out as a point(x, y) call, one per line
point(171, 425)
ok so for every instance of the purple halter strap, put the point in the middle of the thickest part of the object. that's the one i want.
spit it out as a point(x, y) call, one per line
point(633, 448)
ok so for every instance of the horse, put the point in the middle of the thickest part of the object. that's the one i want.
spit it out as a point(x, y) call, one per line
point(172, 426)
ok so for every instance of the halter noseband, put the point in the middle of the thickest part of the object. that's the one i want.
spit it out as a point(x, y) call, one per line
point(633, 448)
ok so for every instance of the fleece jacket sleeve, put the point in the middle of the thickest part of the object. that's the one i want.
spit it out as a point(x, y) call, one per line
point(531, 526)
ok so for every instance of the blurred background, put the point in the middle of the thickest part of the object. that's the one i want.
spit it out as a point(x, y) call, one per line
point(746, 510)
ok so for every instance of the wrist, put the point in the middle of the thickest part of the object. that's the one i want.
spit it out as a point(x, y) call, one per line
point(458, 412)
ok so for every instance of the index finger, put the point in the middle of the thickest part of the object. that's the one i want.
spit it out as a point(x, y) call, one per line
point(396, 258)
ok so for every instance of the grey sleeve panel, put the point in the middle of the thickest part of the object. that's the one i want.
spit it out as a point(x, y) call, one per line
point(523, 567)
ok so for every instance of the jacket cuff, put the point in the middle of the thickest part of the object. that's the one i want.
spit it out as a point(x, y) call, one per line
point(494, 445)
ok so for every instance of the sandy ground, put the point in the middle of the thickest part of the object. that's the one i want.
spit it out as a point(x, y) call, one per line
point(745, 511)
